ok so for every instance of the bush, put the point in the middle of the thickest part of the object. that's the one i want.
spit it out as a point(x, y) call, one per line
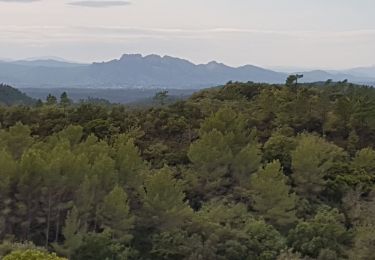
point(7, 247)
point(32, 254)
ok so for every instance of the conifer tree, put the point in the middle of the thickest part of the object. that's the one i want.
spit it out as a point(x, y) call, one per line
point(311, 161)
point(73, 232)
point(64, 100)
point(211, 153)
point(8, 170)
point(246, 162)
point(164, 200)
point(32, 168)
point(128, 161)
point(51, 100)
point(115, 214)
point(16, 140)
point(365, 161)
point(232, 125)
point(272, 197)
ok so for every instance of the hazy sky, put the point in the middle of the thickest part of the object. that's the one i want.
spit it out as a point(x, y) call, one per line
point(308, 33)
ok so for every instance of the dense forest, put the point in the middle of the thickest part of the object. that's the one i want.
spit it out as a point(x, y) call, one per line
point(241, 171)
point(11, 96)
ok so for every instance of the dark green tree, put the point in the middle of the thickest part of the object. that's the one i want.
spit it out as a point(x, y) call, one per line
point(51, 100)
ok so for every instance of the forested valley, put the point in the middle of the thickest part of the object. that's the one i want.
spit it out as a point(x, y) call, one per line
point(241, 171)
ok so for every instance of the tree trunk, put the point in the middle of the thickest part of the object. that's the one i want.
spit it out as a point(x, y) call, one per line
point(48, 219)
point(57, 226)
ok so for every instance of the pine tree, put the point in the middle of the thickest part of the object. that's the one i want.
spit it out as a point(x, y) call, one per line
point(73, 232)
point(164, 200)
point(365, 160)
point(16, 140)
point(64, 100)
point(32, 168)
point(51, 100)
point(318, 236)
point(211, 153)
point(128, 161)
point(352, 144)
point(115, 214)
point(232, 125)
point(311, 161)
point(279, 147)
point(84, 200)
point(272, 197)
point(8, 170)
point(246, 162)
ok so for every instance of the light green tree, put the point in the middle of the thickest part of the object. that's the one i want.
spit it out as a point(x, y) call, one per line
point(246, 162)
point(272, 197)
point(365, 160)
point(29, 190)
point(8, 170)
point(128, 161)
point(211, 153)
point(16, 140)
point(32, 255)
point(311, 161)
point(115, 214)
point(73, 232)
point(231, 124)
point(164, 200)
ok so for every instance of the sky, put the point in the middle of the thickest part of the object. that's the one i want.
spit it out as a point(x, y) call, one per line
point(334, 34)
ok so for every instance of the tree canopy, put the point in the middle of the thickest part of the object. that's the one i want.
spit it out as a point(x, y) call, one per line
point(241, 171)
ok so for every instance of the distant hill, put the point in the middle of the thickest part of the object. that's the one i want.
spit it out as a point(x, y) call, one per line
point(152, 71)
point(11, 96)
point(362, 71)
point(47, 63)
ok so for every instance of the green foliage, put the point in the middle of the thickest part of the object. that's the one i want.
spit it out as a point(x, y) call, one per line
point(326, 231)
point(231, 124)
point(164, 200)
point(246, 162)
point(211, 152)
point(293, 80)
point(272, 197)
point(73, 233)
point(365, 161)
point(364, 243)
point(31, 255)
point(289, 255)
point(51, 100)
point(128, 161)
point(10, 96)
point(215, 176)
point(279, 147)
point(311, 161)
point(16, 140)
point(8, 247)
point(115, 215)
point(64, 100)
point(161, 97)
point(99, 246)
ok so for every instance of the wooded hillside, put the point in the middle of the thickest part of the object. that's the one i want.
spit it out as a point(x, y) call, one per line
point(242, 171)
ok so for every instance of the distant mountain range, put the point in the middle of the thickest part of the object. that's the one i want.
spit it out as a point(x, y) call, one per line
point(153, 71)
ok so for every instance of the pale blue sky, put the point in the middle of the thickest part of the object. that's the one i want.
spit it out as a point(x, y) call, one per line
point(308, 33)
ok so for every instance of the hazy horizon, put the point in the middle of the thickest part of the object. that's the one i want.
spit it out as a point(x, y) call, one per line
point(336, 34)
